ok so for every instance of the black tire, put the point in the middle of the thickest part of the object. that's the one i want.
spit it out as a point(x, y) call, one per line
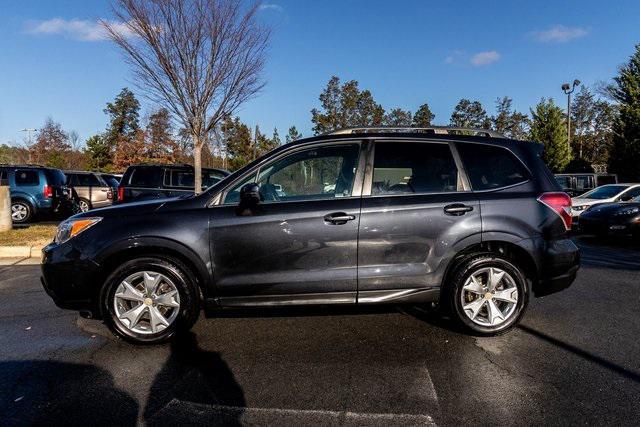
point(183, 280)
point(473, 264)
point(87, 202)
point(24, 206)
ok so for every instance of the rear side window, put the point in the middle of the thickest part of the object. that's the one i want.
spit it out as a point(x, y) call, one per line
point(55, 177)
point(146, 177)
point(491, 167)
point(88, 180)
point(27, 177)
point(179, 178)
point(414, 167)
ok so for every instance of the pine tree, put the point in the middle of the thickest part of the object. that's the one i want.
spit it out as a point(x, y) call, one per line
point(160, 144)
point(292, 135)
point(470, 114)
point(275, 139)
point(548, 127)
point(398, 117)
point(123, 118)
point(423, 116)
point(625, 153)
point(98, 154)
point(510, 123)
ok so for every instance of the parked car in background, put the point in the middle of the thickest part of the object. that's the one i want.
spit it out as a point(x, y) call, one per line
point(36, 191)
point(90, 190)
point(152, 181)
point(476, 224)
point(604, 194)
point(575, 184)
point(112, 181)
point(612, 218)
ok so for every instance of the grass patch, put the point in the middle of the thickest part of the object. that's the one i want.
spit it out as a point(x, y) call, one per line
point(34, 235)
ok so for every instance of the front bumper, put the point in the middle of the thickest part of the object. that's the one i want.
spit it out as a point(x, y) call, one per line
point(70, 280)
point(609, 225)
point(560, 263)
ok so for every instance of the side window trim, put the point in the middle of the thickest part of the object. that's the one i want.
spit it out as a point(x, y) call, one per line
point(218, 199)
point(368, 179)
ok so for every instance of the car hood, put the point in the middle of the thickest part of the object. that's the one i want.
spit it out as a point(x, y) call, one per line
point(606, 209)
point(578, 201)
point(129, 209)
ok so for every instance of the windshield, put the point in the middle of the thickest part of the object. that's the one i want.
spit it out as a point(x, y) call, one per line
point(604, 192)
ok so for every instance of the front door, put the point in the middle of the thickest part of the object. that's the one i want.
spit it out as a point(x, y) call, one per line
point(301, 240)
point(417, 212)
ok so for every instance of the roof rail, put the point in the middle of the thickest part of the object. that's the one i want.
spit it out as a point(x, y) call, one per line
point(438, 130)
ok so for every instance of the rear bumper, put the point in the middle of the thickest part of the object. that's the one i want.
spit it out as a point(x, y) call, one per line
point(560, 263)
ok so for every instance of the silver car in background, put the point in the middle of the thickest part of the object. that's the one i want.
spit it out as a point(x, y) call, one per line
point(90, 190)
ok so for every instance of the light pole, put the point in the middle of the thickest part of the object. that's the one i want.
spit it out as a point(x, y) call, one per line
point(568, 90)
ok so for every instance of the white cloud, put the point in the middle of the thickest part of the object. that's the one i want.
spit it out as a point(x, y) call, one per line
point(271, 6)
point(485, 58)
point(76, 29)
point(558, 34)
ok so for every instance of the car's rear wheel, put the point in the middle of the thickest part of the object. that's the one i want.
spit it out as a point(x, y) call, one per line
point(84, 205)
point(149, 300)
point(21, 212)
point(488, 294)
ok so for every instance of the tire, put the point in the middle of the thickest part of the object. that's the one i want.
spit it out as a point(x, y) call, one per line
point(21, 212)
point(115, 300)
point(84, 205)
point(476, 308)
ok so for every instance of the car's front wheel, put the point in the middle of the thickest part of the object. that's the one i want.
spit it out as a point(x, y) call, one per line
point(488, 294)
point(149, 300)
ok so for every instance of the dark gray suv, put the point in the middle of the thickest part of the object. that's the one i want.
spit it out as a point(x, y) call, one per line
point(462, 218)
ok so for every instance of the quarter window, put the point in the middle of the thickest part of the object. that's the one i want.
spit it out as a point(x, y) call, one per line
point(491, 167)
point(27, 177)
point(414, 167)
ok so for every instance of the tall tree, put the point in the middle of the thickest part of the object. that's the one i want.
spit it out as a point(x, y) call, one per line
point(123, 114)
point(625, 153)
point(548, 127)
point(345, 106)
point(161, 145)
point(201, 59)
point(98, 153)
point(591, 125)
point(52, 146)
point(292, 135)
point(510, 123)
point(423, 116)
point(131, 151)
point(239, 141)
point(398, 117)
point(275, 138)
point(470, 114)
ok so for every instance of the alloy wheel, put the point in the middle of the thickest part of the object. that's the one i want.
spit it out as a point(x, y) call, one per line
point(146, 302)
point(84, 206)
point(489, 296)
point(19, 212)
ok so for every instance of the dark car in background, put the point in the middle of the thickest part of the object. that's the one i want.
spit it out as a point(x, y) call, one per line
point(113, 181)
point(36, 191)
point(90, 190)
point(612, 218)
point(152, 181)
point(473, 222)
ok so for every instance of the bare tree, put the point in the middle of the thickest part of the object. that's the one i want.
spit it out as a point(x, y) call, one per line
point(201, 59)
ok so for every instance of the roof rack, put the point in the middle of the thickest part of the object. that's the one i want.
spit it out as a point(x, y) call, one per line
point(437, 130)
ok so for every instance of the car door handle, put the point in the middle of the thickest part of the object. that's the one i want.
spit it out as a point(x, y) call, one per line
point(338, 218)
point(457, 209)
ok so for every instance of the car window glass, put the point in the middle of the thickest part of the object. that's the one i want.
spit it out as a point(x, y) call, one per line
point(491, 167)
point(414, 167)
point(55, 177)
point(27, 177)
point(317, 173)
point(233, 194)
point(210, 177)
point(148, 177)
point(584, 182)
point(631, 194)
point(605, 192)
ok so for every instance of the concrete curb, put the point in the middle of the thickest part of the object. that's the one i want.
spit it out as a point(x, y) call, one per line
point(20, 251)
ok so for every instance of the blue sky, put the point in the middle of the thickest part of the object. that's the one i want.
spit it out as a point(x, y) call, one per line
point(54, 61)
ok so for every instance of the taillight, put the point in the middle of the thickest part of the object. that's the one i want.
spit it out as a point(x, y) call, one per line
point(47, 191)
point(560, 203)
point(110, 194)
point(120, 194)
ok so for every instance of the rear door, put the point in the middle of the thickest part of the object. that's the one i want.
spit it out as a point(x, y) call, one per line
point(417, 211)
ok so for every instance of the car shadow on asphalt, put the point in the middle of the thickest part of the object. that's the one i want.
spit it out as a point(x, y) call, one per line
point(34, 392)
point(192, 375)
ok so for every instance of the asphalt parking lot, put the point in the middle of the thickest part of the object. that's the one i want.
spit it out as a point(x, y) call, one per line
point(574, 360)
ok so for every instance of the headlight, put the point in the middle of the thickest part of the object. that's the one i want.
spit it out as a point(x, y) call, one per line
point(72, 227)
point(627, 211)
point(580, 207)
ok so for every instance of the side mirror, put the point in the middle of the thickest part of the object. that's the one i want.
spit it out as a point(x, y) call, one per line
point(250, 195)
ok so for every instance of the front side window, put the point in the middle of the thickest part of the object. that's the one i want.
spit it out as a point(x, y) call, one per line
point(27, 177)
point(313, 174)
point(414, 167)
point(490, 167)
point(631, 194)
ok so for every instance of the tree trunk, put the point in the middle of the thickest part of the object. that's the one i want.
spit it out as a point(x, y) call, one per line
point(197, 163)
